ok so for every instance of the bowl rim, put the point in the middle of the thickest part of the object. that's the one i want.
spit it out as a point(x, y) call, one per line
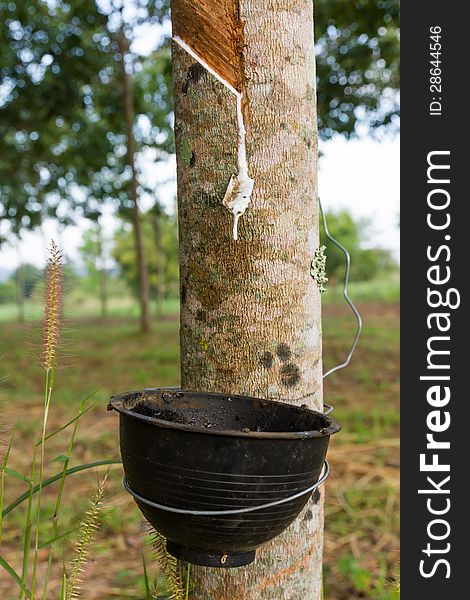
point(116, 403)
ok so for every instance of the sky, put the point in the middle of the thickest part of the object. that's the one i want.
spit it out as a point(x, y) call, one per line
point(361, 175)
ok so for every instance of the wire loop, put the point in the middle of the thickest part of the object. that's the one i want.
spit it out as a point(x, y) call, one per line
point(232, 511)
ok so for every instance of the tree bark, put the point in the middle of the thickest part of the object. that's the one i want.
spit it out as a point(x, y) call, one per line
point(250, 311)
point(142, 270)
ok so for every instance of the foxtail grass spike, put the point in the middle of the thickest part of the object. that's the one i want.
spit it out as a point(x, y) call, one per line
point(53, 307)
point(87, 532)
point(167, 564)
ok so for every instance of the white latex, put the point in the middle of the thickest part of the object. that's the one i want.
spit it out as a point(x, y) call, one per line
point(240, 187)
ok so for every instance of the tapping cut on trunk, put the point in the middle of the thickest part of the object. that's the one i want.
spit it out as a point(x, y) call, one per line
point(212, 33)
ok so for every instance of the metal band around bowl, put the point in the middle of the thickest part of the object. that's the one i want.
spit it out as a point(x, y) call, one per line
point(234, 511)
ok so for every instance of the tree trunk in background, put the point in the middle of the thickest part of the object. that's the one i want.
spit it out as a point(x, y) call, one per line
point(160, 261)
point(144, 290)
point(103, 293)
point(103, 277)
point(20, 292)
point(250, 311)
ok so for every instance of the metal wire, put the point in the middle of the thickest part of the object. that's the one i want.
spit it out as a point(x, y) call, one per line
point(327, 409)
point(232, 511)
point(345, 294)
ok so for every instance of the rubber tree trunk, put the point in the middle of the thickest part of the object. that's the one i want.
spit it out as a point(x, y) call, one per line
point(142, 269)
point(250, 311)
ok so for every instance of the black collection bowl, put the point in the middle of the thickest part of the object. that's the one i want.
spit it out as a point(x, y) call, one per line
point(196, 451)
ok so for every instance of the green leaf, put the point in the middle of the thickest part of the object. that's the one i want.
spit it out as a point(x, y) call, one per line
point(53, 540)
point(2, 483)
point(48, 437)
point(7, 453)
point(57, 476)
point(148, 595)
point(9, 569)
point(61, 458)
point(17, 475)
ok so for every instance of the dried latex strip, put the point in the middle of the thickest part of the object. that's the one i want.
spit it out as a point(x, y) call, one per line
point(240, 187)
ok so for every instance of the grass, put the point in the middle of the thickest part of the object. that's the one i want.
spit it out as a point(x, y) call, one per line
point(361, 540)
point(76, 307)
point(361, 543)
point(385, 290)
point(79, 305)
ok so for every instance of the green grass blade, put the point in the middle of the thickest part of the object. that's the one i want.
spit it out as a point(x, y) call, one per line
point(9, 569)
point(55, 519)
point(48, 388)
point(28, 527)
point(26, 549)
point(84, 543)
point(58, 537)
point(17, 475)
point(7, 453)
point(148, 594)
point(188, 573)
point(2, 483)
point(56, 477)
point(63, 589)
point(53, 433)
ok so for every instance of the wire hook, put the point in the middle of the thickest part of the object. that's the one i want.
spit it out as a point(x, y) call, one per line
point(345, 294)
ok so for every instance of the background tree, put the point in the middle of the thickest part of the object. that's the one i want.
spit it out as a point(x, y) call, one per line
point(163, 266)
point(156, 217)
point(358, 54)
point(366, 263)
point(52, 51)
point(48, 56)
point(25, 279)
point(87, 150)
point(94, 253)
point(62, 158)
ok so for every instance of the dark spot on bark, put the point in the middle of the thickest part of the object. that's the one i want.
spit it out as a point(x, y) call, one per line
point(201, 315)
point(316, 497)
point(308, 515)
point(267, 360)
point(183, 294)
point(290, 375)
point(194, 74)
point(284, 352)
point(192, 160)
